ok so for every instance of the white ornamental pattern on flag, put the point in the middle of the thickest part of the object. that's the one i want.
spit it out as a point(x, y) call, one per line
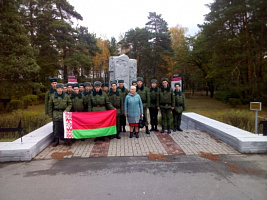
point(67, 117)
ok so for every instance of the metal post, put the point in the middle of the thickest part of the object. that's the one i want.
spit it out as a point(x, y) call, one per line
point(256, 123)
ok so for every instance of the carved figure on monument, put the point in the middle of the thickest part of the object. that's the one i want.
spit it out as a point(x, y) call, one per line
point(122, 68)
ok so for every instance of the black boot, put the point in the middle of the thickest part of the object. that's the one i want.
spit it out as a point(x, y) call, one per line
point(174, 128)
point(66, 142)
point(56, 142)
point(179, 129)
point(169, 130)
point(152, 128)
point(118, 136)
point(96, 139)
point(82, 139)
point(123, 127)
point(147, 131)
point(162, 130)
point(137, 135)
point(111, 137)
point(131, 134)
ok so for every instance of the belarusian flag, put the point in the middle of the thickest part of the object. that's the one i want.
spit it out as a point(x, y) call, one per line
point(80, 125)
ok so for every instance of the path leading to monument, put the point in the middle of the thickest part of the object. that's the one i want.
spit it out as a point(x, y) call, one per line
point(188, 142)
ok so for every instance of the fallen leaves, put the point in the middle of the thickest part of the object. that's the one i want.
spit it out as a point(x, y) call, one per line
point(61, 155)
point(153, 156)
point(209, 156)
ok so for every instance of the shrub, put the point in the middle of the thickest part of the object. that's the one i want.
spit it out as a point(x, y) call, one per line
point(32, 98)
point(26, 103)
point(242, 119)
point(224, 96)
point(41, 97)
point(30, 120)
point(234, 102)
point(14, 105)
point(219, 95)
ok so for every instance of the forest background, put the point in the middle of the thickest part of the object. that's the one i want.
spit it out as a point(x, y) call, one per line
point(228, 55)
point(226, 60)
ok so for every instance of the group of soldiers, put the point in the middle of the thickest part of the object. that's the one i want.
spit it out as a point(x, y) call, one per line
point(88, 97)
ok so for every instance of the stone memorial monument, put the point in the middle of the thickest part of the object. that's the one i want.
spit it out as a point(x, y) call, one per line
point(123, 68)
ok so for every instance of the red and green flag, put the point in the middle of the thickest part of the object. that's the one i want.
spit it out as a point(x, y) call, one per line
point(80, 125)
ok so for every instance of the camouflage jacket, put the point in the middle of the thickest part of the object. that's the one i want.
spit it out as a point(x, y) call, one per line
point(48, 95)
point(144, 94)
point(58, 104)
point(116, 99)
point(99, 101)
point(166, 98)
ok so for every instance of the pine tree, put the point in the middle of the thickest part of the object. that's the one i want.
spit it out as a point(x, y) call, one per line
point(160, 43)
point(17, 57)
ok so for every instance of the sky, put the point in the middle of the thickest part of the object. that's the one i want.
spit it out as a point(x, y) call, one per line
point(112, 18)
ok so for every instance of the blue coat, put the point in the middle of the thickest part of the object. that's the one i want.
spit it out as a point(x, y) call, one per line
point(133, 107)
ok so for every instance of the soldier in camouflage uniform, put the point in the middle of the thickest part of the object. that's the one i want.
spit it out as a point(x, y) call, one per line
point(166, 104)
point(116, 99)
point(81, 87)
point(69, 89)
point(105, 87)
point(48, 95)
point(134, 83)
point(99, 101)
point(65, 89)
point(87, 92)
point(59, 103)
point(179, 107)
point(145, 96)
point(77, 99)
point(153, 110)
point(124, 92)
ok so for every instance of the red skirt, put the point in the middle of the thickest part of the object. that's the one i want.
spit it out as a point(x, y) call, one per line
point(133, 124)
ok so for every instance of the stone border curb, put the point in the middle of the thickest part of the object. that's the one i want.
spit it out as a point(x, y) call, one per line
point(242, 141)
point(32, 144)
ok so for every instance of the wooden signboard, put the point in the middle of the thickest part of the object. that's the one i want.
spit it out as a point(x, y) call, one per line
point(255, 106)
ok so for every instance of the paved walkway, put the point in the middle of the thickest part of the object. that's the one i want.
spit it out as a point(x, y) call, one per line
point(188, 142)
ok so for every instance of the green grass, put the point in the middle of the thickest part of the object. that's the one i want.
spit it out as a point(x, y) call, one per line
point(241, 116)
point(31, 119)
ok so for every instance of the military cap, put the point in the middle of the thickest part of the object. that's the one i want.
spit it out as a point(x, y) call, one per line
point(140, 79)
point(97, 83)
point(120, 81)
point(134, 81)
point(177, 84)
point(154, 81)
point(113, 82)
point(53, 80)
point(81, 84)
point(105, 84)
point(69, 84)
point(65, 85)
point(87, 84)
point(75, 85)
point(59, 85)
point(164, 79)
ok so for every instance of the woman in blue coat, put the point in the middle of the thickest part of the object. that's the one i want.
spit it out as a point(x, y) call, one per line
point(133, 110)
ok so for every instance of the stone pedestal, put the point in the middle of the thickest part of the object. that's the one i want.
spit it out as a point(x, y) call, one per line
point(123, 68)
